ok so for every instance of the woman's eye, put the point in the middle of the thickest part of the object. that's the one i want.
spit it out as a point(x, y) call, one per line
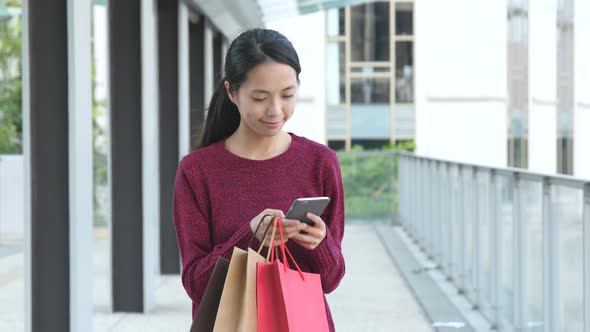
point(287, 97)
point(258, 99)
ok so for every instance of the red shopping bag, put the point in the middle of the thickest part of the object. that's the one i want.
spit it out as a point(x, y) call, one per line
point(288, 300)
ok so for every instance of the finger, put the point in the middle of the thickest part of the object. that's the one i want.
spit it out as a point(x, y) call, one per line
point(316, 219)
point(306, 241)
point(296, 228)
point(290, 222)
point(274, 212)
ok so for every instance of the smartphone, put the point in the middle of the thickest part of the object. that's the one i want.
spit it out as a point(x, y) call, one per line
point(301, 206)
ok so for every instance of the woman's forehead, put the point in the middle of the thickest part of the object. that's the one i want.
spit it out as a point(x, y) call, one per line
point(271, 76)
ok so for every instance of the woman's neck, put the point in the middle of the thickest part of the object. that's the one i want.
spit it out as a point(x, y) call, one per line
point(252, 146)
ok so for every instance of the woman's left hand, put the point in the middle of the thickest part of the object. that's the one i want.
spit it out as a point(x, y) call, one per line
point(315, 234)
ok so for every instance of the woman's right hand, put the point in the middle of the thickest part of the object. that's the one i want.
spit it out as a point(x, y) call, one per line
point(291, 227)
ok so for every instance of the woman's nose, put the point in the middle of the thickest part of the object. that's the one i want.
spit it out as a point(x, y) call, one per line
point(274, 108)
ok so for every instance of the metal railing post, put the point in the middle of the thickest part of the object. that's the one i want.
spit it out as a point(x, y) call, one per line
point(519, 261)
point(496, 247)
point(460, 282)
point(477, 207)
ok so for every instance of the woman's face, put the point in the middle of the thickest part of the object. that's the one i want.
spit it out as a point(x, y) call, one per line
point(266, 100)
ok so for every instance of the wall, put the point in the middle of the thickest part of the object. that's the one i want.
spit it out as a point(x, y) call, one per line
point(461, 85)
point(543, 86)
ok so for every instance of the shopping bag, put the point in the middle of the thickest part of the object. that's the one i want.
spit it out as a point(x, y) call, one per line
point(237, 306)
point(207, 311)
point(289, 300)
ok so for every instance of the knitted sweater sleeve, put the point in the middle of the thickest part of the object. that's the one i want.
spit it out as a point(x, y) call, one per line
point(191, 218)
point(327, 258)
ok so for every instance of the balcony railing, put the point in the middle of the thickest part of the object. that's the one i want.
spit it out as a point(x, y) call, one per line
point(516, 244)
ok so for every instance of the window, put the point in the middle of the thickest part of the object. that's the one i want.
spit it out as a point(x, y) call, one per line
point(565, 86)
point(404, 19)
point(369, 91)
point(518, 73)
point(370, 32)
point(404, 72)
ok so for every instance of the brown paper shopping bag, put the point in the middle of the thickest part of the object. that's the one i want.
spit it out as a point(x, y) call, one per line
point(237, 307)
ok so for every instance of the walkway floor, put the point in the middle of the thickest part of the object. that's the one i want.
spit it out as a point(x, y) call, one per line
point(371, 297)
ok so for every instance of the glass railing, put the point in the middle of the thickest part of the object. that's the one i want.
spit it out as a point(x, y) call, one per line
point(369, 186)
point(514, 243)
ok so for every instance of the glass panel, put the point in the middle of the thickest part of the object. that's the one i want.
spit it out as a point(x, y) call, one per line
point(467, 210)
point(485, 242)
point(533, 212)
point(506, 250)
point(370, 121)
point(404, 110)
point(369, 91)
point(404, 122)
point(571, 257)
point(369, 69)
point(336, 132)
point(404, 72)
point(335, 73)
point(404, 133)
point(369, 33)
point(457, 220)
point(404, 19)
point(336, 122)
point(368, 186)
point(336, 111)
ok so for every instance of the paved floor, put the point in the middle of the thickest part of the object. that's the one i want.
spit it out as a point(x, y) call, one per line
point(371, 297)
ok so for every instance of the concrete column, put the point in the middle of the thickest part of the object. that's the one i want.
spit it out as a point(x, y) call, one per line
point(134, 154)
point(57, 118)
point(169, 124)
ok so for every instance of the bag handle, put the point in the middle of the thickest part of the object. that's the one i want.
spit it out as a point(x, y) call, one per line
point(256, 231)
point(284, 248)
point(271, 251)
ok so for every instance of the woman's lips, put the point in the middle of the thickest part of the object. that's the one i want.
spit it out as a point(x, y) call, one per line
point(271, 124)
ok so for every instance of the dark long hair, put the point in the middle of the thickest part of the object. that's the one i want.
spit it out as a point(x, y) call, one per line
point(249, 49)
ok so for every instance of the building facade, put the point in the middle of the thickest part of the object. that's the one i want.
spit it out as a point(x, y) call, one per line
point(370, 74)
point(501, 83)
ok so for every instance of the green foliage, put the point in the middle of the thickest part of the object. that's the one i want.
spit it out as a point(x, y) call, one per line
point(10, 87)
point(369, 180)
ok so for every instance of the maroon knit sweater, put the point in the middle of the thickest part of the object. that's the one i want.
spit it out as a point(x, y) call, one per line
point(218, 193)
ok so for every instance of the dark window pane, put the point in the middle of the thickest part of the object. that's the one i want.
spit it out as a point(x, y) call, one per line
point(369, 91)
point(370, 32)
point(404, 72)
point(341, 21)
point(336, 145)
point(404, 19)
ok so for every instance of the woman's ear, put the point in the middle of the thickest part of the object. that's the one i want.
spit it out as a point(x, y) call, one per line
point(229, 92)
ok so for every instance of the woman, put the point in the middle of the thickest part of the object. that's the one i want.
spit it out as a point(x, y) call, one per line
point(245, 166)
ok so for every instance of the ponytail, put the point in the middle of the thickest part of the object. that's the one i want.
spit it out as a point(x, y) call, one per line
point(222, 119)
